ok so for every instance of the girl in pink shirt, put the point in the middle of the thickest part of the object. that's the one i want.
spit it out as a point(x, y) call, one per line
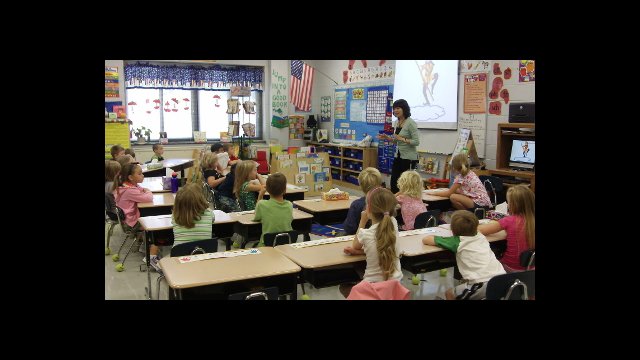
point(467, 190)
point(128, 194)
point(410, 198)
point(520, 226)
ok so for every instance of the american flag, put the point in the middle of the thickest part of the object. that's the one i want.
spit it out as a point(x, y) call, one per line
point(301, 81)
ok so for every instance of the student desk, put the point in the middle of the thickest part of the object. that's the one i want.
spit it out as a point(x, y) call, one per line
point(224, 276)
point(161, 205)
point(326, 212)
point(419, 258)
point(434, 201)
point(174, 164)
point(154, 184)
point(293, 193)
point(321, 263)
point(251, 230)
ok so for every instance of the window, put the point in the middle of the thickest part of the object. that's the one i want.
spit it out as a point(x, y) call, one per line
point(165, 98)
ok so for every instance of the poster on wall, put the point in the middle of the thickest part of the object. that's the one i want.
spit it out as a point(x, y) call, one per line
point(527, 70)
point(474, 65)
point(341, 105)
point(111, 83)
point(325, 109)
point(475, 93)
point(279, 96)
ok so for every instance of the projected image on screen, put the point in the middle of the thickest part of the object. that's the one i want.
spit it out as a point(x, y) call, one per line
point(431, 89)
point(523, 154)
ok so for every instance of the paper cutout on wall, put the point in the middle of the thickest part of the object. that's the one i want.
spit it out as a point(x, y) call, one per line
point(495, 108)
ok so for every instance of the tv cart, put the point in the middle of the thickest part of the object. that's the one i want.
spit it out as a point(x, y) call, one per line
point(507, 132)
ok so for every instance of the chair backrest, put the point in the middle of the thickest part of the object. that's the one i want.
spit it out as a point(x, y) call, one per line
point(528, 258)
point(270, 293)
point(110, 206)
point(194, 247)
point(494, 187)
point(209, 195)
point(426, 219)
point(519, 285)
point(261, 155)
point(274, 239)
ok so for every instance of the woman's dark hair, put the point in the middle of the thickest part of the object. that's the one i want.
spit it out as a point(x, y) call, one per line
point(402, 103)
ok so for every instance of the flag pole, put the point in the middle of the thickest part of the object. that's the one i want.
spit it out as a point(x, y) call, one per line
point(327, 76)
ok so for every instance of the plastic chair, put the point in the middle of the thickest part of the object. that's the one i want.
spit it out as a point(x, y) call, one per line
point(263, 163)
point(209, 195)
point(512, 286)
point(190, 248)
point(270, 293)
point(427, 219)
point(116, 216)
point(528, 259)
point(495, 189)
point(275, 239)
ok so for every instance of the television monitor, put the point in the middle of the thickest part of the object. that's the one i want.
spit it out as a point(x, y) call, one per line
point(523, 154)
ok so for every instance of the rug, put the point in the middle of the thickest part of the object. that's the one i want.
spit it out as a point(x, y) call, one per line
point(330, 230)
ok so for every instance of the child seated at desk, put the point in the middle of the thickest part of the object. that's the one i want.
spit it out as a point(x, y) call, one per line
point(276, 213)
point(125, 159)
point(116, 150)
point(128, 194)
point(246, 186)
point(380, 241)
point(211, 175)
point(467, 190)
point(410, 198)
point(520, 226)
point(192, 219)
point(111, 172)
point(130, 151)
point(229, 149)
point(227, 199)
point(223, 158)
point(476, 262)
point(158, 151)
point(368, 179)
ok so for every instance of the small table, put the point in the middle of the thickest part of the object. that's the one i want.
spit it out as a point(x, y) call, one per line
point(326, 212)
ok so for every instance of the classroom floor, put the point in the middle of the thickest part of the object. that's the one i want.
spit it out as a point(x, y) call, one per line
point(130, 284)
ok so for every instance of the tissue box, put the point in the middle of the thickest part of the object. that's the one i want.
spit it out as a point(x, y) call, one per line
point(335, 196)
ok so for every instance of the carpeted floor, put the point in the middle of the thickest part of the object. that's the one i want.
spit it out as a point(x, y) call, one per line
point(326, 230)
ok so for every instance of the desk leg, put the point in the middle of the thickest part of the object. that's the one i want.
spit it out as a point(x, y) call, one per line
point(148, 261)
point(294, 294)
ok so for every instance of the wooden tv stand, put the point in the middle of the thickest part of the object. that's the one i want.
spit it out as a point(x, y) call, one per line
point(529, 175)
point(507, 132)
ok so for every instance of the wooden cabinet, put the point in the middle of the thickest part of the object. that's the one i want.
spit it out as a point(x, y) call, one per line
point(507, 132)
point(347, 162)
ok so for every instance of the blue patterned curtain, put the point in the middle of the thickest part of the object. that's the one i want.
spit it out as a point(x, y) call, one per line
point(146, 75)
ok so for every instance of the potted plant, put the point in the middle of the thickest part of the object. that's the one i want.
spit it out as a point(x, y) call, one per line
point(141, 133)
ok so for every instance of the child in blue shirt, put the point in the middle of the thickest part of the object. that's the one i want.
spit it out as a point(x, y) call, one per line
point(368, 179)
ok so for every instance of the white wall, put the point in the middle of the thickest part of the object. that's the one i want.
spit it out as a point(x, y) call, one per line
point(518, 92)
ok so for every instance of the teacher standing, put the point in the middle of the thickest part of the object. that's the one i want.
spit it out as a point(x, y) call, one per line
point(406, 138)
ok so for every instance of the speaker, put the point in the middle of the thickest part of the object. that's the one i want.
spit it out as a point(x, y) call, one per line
point(522, 112)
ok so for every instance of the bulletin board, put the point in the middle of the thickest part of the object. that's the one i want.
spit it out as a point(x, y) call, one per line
point(361, 110)
point(291, 171)
point(115, 133)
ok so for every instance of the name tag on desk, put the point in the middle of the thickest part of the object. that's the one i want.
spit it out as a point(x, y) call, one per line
point(217, 255)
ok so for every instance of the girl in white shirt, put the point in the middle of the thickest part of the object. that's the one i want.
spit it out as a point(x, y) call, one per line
point(380, 240)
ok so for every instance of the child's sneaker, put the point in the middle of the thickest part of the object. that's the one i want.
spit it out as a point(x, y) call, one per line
point(155, 263)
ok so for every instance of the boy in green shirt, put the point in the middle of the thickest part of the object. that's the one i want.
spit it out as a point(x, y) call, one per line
point(276, 214)
point(158, 150)
point(475, 260)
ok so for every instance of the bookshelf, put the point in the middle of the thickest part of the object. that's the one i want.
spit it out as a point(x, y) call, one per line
point(347, 162)
point(507, 132)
